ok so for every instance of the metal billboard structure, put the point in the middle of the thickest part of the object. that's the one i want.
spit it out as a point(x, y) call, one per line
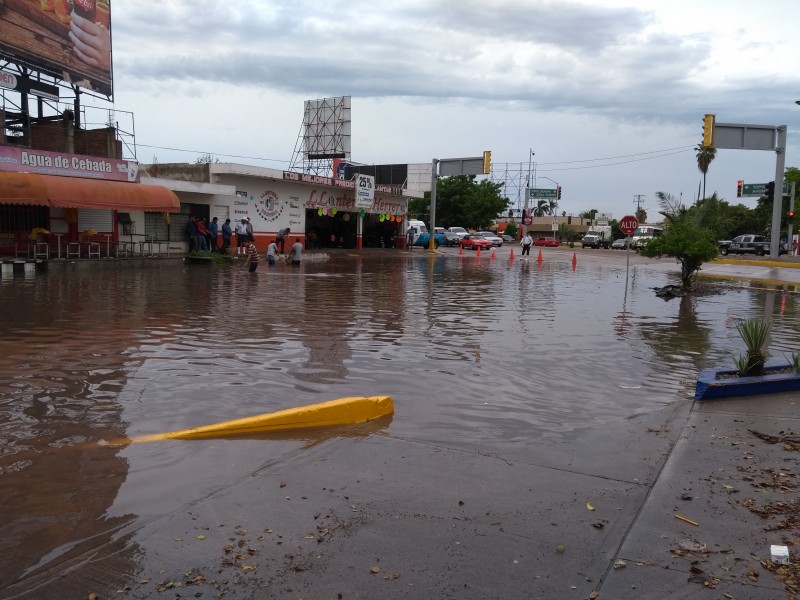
point(325, 134)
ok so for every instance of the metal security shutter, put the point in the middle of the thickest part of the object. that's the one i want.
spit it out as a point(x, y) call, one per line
point(221, 212)
point(99, 220)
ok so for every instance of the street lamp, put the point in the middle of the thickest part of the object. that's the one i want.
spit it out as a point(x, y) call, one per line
point(524, 227)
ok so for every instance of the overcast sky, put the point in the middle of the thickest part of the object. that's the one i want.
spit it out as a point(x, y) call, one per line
point(609, 95)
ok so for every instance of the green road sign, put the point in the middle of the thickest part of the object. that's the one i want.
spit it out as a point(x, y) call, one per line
point(541, 193)
point(759, 189)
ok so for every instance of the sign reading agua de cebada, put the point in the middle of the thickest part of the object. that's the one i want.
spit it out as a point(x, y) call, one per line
point(26, 160)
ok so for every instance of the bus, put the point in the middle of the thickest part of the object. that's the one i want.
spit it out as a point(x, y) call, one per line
point(645, 233)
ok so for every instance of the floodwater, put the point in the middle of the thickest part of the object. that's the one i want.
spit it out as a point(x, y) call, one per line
point(476, 352)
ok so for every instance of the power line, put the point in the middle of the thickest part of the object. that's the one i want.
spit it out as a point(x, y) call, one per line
point(213, 153)
point(624, 162)
point(568, 162)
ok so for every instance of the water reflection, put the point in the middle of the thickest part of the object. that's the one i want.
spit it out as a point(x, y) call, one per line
point(478, 353)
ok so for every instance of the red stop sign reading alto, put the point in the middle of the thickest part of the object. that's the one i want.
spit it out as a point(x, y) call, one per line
point(628, 224)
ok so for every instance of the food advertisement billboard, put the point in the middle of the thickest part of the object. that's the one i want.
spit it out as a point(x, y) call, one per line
point(68, 39)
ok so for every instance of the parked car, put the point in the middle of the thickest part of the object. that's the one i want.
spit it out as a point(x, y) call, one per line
point(495, 239)
point(748, 244)
point(621, 244)
point(507, 238)
point(547, 242)
point(451, 238)
point(475, 241)
point(459, 231)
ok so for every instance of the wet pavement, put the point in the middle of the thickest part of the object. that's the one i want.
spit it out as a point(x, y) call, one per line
point(541, 435)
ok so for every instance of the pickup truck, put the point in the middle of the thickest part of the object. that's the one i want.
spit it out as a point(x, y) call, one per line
point(747, 244)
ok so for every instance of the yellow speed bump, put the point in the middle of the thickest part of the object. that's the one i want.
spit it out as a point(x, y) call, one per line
point(344, 411)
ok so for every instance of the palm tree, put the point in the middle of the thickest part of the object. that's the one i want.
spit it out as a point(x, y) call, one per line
point(542, 208)
point(705, 155)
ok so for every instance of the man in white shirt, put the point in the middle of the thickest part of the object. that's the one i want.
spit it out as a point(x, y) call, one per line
point(526, 242)
point(297, 250)
point(272, 251)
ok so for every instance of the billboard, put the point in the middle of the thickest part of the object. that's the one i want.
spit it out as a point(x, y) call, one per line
point(67, 39)
point(326, 128)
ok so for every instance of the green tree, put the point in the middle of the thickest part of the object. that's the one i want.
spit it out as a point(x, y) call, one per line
point(463, 202)
point(704, 157)
point(641, 215)
point(511, 229)
point(566, 232)
point(542, 208)
point(724, 220)
point(204, 159)
point(589, 214)
point(684, 238)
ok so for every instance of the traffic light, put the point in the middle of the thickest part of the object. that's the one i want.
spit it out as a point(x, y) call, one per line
point(739, 188)
point(487, 162)
point(790, 214)
point(708, 131)
point(558, 192)
point(770, 192)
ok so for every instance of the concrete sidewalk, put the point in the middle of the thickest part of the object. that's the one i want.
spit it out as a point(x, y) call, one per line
point(721, 476)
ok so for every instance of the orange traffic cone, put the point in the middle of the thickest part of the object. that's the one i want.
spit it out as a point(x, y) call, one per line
point(512, 255)
point(460, 249)
point(540, 257)
point(479, 252)
point(574, 259)
point(492, 253)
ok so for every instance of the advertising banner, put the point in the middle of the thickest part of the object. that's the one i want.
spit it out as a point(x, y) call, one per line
point(68, 39)
point(25, 160)
point(365, 190)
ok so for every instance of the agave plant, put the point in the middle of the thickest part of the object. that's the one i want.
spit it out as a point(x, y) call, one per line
point(754, 334)
point(794, 361)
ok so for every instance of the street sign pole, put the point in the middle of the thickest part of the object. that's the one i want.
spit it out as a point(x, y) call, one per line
point(777, 204)
point(434, 165)
point(789, 227)
point(628, 225)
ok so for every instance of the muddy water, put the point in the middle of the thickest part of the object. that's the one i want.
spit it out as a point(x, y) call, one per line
point(475, 352)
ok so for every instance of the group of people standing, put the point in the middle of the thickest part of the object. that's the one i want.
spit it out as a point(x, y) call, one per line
point(201, 236)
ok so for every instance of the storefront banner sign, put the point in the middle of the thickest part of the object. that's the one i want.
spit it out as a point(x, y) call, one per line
point(365, 190)
point(25, 160)
point(340, 183)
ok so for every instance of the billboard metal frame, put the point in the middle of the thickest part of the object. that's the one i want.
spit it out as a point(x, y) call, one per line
point(325, 134)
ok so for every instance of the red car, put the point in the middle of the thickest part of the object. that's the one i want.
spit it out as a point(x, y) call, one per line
point(474, 241)
point(547, 242)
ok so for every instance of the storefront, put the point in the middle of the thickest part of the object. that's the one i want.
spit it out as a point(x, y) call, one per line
point(56, 199)
point(319, 211)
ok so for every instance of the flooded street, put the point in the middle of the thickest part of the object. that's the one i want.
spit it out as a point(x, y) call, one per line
point(491, 357)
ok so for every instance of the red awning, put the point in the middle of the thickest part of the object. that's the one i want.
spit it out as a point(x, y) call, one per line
point(78, 192)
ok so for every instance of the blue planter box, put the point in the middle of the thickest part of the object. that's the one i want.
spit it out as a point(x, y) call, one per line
point(708, 386)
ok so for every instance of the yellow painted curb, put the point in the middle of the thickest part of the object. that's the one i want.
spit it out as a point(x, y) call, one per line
point(344, 411)
point(758, 263)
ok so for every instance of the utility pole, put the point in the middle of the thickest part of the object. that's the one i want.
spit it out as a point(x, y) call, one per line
point(638, 200)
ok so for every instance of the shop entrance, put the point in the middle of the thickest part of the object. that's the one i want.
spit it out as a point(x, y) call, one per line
point(379, 234)
point(336, 231)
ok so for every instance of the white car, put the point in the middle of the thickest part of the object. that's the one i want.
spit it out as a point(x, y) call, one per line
point(496, 240)
point(459, 231)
